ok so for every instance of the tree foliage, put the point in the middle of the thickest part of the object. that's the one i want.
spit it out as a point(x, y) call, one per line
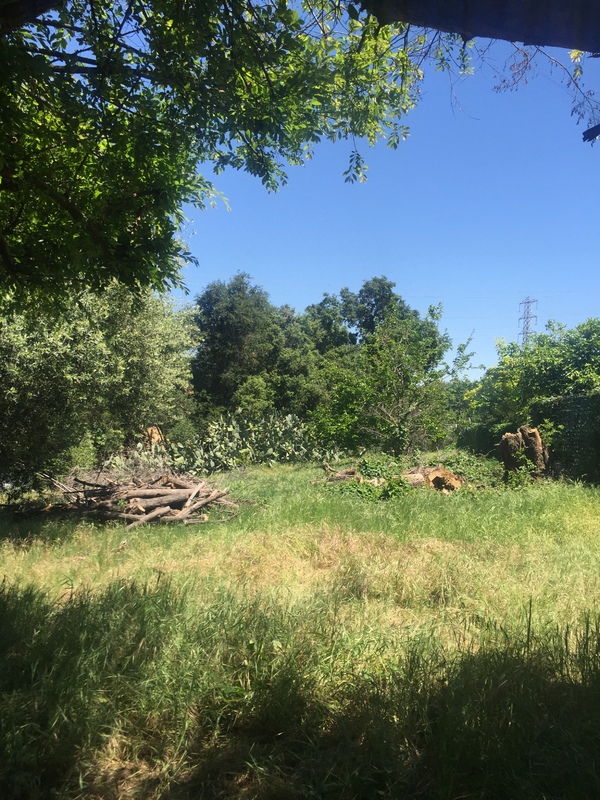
point(393, 396)
point(558, 363)
point(82, 385)
point(364, 367)
point(371, 305)
point(252, 355)
point(108, 109)
point(91, 381)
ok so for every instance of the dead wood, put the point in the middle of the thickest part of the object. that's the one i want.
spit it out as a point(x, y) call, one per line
point(414, 478)
point(173, 498)
point(442, 479)
point(158, 512)
point(216, 495)
point(164, 497)
point(438, 478)
point(518, 449)
point(178, 483)
point(135, 494)
point(344, 475)
point(196, 491)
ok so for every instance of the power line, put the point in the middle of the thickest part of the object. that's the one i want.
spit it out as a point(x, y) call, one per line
point(527, 318)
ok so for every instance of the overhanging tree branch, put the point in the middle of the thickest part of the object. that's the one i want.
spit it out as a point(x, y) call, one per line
point(14, 14)
point(76, 214)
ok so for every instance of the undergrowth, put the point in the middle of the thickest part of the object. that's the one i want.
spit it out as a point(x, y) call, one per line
point(479, 471)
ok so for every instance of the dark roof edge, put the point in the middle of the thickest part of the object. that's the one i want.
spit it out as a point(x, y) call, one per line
point(571, 24)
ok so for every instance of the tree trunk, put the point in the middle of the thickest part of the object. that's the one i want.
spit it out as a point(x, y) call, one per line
point(516, 449)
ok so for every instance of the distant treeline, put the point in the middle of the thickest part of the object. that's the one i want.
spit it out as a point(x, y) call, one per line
point(356, 370)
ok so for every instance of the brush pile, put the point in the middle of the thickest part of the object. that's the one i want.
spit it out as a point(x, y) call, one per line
point(167, 498)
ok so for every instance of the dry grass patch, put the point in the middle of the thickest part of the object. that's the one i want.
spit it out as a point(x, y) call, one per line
point(113, 775)
point(422, 580)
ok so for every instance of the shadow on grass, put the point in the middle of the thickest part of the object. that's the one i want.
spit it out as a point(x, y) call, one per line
point(212, 706)
point(67, 671)
point(500, 727)
point(22, 524)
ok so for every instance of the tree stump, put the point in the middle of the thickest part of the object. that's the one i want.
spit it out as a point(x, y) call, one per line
point(524, 446)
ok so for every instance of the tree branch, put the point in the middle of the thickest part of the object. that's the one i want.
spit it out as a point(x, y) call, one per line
point(15, 14)
point(6, 255)
point(75, 212)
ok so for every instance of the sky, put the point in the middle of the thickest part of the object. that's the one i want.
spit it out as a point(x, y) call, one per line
point(492, 200)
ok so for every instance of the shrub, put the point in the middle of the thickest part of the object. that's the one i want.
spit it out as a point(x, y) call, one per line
point(239, 439)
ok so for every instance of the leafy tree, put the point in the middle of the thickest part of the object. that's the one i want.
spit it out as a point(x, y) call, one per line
point(240, 339)
point(353, 317)
point(325, 324)
point(393, 396)
point(252, 355)
point(108, 109)
point(370, 306)
point(295, 378)
point(91, 381)
point(457, 388)
point(557, 363)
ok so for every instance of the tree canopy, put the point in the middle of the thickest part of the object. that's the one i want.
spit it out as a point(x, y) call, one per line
point(90, 381)
point(110, 108)
point(364, 368)
point(559, 363)
point(252, 355)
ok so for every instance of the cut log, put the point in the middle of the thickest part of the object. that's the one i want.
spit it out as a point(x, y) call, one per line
point(174, 498)
point(136, 501)
point(415, 478)
point(196, 491)
point(442, 479)
point(438, 478)
point(185, 513)
point(163, 491)
point(212, 498)
point(345, 475)
point(158, 512)
point(179, 483)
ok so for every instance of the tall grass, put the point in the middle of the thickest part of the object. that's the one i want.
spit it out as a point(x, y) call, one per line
point(314, 646)
point(155, 692)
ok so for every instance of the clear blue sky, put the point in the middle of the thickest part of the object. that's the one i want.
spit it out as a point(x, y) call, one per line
point(492, 199)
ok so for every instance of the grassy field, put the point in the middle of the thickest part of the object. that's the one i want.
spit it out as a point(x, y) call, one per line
point(315, 645)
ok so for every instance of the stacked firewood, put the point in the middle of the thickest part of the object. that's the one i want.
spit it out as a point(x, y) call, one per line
point(166, 498)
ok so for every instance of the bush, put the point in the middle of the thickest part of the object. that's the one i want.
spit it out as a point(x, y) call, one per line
point(379, 479)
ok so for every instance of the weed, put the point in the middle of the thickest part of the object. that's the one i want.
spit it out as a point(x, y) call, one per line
point(378, 467)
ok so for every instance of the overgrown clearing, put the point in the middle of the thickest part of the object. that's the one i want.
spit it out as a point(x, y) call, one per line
point(317, 645)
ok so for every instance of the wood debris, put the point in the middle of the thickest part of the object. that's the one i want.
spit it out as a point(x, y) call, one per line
point(438, 478)
point(521, 448)
point(164, 498)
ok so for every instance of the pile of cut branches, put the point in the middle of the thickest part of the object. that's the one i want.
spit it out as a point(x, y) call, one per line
point(168, 498)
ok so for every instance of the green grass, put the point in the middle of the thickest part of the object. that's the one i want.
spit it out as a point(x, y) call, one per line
point(315, 646)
